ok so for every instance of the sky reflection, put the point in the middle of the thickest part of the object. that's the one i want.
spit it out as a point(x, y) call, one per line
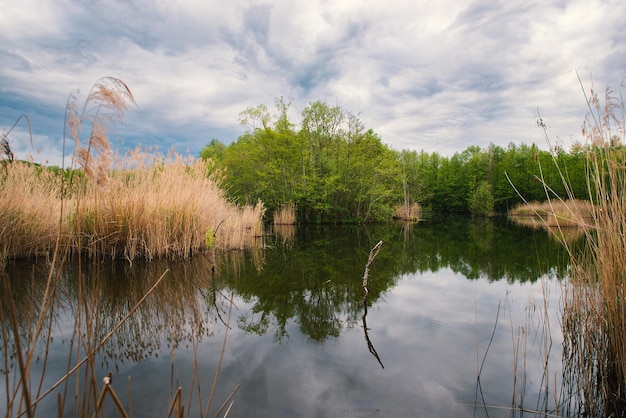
point(431, 328)
point(426, 331)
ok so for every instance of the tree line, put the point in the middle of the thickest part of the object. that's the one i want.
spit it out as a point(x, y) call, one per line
point(335, 170)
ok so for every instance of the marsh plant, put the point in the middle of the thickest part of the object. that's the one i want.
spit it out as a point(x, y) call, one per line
point(140, 206)
point(594, 310)
point(285, 215)
point(594, 319)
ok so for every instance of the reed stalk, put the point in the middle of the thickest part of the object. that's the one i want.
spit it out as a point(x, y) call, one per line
point(139, 206)
point(408, 212)
point(285, 215)
point(594, 306)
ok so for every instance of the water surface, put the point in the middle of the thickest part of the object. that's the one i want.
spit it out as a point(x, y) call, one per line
point(462, 320)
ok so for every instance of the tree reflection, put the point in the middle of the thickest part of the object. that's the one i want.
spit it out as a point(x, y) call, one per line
point(312, 281)
point(315, 281)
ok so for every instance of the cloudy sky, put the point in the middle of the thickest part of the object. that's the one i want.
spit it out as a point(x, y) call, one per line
point(431, 75)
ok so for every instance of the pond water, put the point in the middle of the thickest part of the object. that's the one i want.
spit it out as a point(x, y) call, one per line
point(462, 320)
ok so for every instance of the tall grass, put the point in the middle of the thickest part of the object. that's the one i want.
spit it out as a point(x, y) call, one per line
point(29, 211)
point(594, 319)
point(566, 213)
point(171, 209)
point(138, 206)
point(594, 305)
point(285, 215)
point(565, 220)
point(408, 212)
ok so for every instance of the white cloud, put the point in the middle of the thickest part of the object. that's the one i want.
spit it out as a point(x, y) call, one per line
point(422, 75)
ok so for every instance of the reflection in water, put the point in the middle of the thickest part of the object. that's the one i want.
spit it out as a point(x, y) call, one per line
point(312, 281)
point(177, 311)
point(297, 306)
point(370, 346)
point(90, 301)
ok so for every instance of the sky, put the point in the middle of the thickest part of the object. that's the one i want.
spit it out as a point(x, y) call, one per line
point(437, 76)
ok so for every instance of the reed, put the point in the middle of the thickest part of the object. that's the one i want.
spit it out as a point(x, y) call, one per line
point(408, 212)
point(554, 213)
point(285, 215)
point(594, 319)
point(138, 206)
point(171, 209)
point(565, 220)
point(29, 211)
point(594, 311)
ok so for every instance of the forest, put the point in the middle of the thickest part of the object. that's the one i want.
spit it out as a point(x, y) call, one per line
point(335, 170)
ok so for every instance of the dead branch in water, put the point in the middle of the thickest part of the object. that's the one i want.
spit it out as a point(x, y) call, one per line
point(373, 253)
point(370, 346)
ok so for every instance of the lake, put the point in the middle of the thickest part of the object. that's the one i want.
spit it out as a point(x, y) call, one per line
point(462, 320)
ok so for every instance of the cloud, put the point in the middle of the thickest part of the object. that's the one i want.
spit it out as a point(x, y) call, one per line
point(437, 77)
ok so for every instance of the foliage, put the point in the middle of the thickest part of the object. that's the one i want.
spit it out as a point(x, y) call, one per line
point(315, 281)
point(481, 200)
point(214, 150)
point(333, 169)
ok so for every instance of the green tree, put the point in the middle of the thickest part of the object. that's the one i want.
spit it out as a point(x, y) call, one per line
point(214, 150)
point(265, 162)
point(333, 169)
point(481, 200)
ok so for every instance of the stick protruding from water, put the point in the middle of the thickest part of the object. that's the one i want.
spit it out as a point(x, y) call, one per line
point(373, 253)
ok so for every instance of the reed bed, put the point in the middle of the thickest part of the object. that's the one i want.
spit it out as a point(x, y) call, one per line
point(285, 215)
point(565, 220)
point(408, 212)
point(594, 310)
point(29, 211)
point(141, 206)
point(594, 319)
point(553, 213)
point(170, 210)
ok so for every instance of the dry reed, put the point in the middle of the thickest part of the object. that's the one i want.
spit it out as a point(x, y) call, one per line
point(408, 212)
point(149, 207)
point(285, 215)
point(169, 208)
point(172, 209)
point(565, 220)
point(594, 312)
point(594, 319)
point(29, 211)
point(554, 213)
